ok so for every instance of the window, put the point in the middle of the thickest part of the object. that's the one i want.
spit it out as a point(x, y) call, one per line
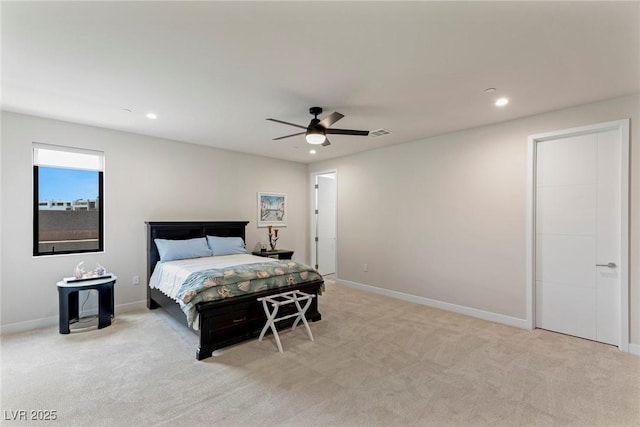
point(68, 200)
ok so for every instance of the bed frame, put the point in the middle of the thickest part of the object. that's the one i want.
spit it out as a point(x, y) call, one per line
point(223, 322)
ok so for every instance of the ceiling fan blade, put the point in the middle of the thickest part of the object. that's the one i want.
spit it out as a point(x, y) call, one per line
point(289, 136)
point(326, 143)
point(287, 123)
point(347, 132)
point(330, 119)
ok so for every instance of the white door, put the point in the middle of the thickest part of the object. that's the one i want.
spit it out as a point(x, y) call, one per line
point(326, 192)
point(578, 235)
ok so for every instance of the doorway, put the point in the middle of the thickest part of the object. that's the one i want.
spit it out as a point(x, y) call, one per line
point(579, 232)
point(324, 221)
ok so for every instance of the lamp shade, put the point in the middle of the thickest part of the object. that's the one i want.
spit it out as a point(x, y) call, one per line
point(315, 137)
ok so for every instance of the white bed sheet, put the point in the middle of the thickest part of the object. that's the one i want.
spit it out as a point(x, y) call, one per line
point(169, 276)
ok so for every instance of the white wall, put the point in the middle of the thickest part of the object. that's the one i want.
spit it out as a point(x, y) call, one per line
point(146, 179)
point(444, 218)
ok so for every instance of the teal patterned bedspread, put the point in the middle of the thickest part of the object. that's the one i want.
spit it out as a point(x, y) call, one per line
point(220, 283)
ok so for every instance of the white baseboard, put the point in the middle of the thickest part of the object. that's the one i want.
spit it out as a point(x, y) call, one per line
point(47, 322)
point(634, 349)
point(468, 311)
point(131, 306)
point(28, 325)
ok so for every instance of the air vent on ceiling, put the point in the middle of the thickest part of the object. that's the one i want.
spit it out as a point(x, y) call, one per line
point(378, 132)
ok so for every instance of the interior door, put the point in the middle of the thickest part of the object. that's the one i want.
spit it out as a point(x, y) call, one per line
point(578, 235)
point(326, 223)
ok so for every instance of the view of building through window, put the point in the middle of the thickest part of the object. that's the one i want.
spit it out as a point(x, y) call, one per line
point(68, 210)
point(68, 203)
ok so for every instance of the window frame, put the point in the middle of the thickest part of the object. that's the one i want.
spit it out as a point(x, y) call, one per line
point(36, 205)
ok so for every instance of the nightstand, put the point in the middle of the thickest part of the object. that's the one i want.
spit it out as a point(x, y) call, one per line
point(278, 253)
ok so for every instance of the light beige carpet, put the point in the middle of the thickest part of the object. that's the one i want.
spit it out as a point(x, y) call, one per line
point(406, 364)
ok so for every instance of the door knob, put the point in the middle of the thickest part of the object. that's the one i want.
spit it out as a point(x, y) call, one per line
point(610, 265)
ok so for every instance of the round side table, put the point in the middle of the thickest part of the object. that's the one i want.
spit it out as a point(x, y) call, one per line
point(68, 300)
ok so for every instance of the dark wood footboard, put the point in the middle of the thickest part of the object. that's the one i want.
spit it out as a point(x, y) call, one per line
point(237, 319)
point(229, 321)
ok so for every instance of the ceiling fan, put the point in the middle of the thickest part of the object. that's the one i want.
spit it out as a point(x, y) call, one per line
point(317, 131)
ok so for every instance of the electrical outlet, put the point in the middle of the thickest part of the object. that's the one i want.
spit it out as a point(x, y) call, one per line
point(365, 267)
point(135, 280)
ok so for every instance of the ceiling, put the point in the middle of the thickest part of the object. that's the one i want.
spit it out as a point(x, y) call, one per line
point(214, 71)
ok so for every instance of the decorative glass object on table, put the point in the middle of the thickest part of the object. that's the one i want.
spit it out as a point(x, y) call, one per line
point(79, 273)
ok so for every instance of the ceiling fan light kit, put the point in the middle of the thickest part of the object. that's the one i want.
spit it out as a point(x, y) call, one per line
point(317, 130)
point(315, 137)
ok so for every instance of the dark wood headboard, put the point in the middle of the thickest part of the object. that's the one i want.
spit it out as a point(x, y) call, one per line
point(178, 230)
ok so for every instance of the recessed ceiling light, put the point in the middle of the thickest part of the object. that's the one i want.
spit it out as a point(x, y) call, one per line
point(312, 151)
point(128, 110)
point(501, 102)
point(490, 89)
point(151, 116)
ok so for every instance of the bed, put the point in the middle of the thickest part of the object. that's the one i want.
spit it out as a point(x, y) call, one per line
point(230, 320)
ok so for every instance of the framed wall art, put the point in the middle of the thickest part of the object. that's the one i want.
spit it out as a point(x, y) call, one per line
point(272, 209)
